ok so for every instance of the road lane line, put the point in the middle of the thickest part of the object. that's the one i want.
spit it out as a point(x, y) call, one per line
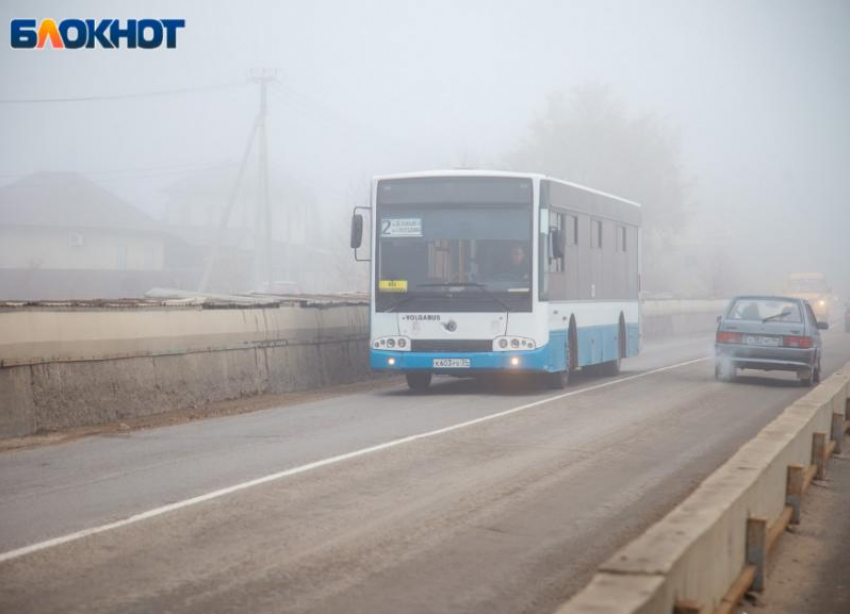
point(159, 511)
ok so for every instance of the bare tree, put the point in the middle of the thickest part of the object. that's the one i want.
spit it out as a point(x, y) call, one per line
point(587, 136)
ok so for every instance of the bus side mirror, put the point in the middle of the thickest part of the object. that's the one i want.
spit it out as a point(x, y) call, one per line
point(558, 243)
point(356, 231)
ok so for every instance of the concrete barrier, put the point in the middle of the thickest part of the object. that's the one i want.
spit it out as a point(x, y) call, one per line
point(64, 365)
point(69, 366)
point(671, 317)
point(711, 548)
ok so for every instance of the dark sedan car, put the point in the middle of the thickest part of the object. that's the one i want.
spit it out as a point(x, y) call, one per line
point(768, 333)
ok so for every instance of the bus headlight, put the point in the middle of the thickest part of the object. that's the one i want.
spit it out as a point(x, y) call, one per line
point(395, 343)
point(502, 344)
point(515, 361)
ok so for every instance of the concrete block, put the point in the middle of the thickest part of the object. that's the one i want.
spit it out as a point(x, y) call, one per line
point(618, 594)
point(17, 413)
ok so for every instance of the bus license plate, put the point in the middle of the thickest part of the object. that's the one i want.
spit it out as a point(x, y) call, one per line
point(451, 363)
point(762, 341)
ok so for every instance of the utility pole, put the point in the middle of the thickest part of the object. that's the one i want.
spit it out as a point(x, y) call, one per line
point(262, 220)
point(263, 267)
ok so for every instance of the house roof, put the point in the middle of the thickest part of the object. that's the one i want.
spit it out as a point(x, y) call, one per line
point(68, 200)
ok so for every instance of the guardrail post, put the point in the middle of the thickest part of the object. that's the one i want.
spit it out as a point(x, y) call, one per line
point(847, 416)
point(818, 454)
point(686, 606)
point(757, 550)
point(794, 491)
point(837, 433)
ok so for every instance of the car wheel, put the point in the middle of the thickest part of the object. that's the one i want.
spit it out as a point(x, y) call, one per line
point(724, 373)
point(557, 380)
point(807, 378)
point(816, 376)
point(418, 380)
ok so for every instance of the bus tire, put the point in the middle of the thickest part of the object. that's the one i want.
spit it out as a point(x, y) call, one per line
point(572, 345)
point(611, 367)
point(418, 380)
point(557, 380)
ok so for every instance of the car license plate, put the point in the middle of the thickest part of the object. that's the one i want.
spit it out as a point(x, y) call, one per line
point(763, 341)
point(451, 363)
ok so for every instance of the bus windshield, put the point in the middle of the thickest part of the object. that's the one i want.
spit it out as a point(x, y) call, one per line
point(453, 245)
point(808, 285)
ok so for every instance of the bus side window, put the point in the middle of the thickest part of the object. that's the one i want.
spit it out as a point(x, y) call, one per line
point(556, 220)
point(571, 226)
point(596, 233)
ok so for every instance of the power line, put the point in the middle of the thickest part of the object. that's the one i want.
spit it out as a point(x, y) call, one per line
point(170, 168)
point(312, 104)
point(153, 94)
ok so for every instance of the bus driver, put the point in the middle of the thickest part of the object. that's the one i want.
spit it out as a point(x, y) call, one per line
point(518, 265)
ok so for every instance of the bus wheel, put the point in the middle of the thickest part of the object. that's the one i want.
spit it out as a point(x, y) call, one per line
point(557, 380)
point(418, 380)
point(610, 368)
point(572, 347)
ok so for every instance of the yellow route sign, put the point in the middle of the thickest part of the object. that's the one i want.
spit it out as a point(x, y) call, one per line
point(392, 285)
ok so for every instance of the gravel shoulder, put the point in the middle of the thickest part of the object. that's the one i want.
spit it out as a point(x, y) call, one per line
point(810, 571)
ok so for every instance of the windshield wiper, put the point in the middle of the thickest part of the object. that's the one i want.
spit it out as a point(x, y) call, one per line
point(776, 315)
point(468, 284)
point(401, 301)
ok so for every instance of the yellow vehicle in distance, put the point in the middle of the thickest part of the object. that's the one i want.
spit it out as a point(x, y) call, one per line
point(814, 288)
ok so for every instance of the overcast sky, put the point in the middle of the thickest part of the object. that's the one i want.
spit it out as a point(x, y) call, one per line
point(759, 92)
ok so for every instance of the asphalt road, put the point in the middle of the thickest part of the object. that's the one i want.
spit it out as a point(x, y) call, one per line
point(469, 498)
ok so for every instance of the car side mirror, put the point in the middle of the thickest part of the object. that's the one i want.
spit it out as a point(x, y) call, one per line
point(823, 325)
point(719, 318)
point(558, 243)
point(356, 231)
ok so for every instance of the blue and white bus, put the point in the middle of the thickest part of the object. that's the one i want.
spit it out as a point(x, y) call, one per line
point(478, 271)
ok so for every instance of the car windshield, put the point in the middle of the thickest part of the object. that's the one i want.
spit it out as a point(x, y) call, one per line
point(773, 310)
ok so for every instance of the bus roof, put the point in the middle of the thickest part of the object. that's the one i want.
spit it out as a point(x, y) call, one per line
point(798, 276)
point(486, 173)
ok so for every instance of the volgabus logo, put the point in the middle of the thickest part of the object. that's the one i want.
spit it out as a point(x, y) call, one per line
point(95, 33)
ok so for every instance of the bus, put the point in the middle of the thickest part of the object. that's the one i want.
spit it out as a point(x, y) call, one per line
point(476, 272)
point(813, 288)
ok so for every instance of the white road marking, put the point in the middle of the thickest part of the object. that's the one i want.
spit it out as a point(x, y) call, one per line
point(159, 511)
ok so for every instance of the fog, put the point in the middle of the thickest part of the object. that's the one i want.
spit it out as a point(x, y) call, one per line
point(730, 117)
